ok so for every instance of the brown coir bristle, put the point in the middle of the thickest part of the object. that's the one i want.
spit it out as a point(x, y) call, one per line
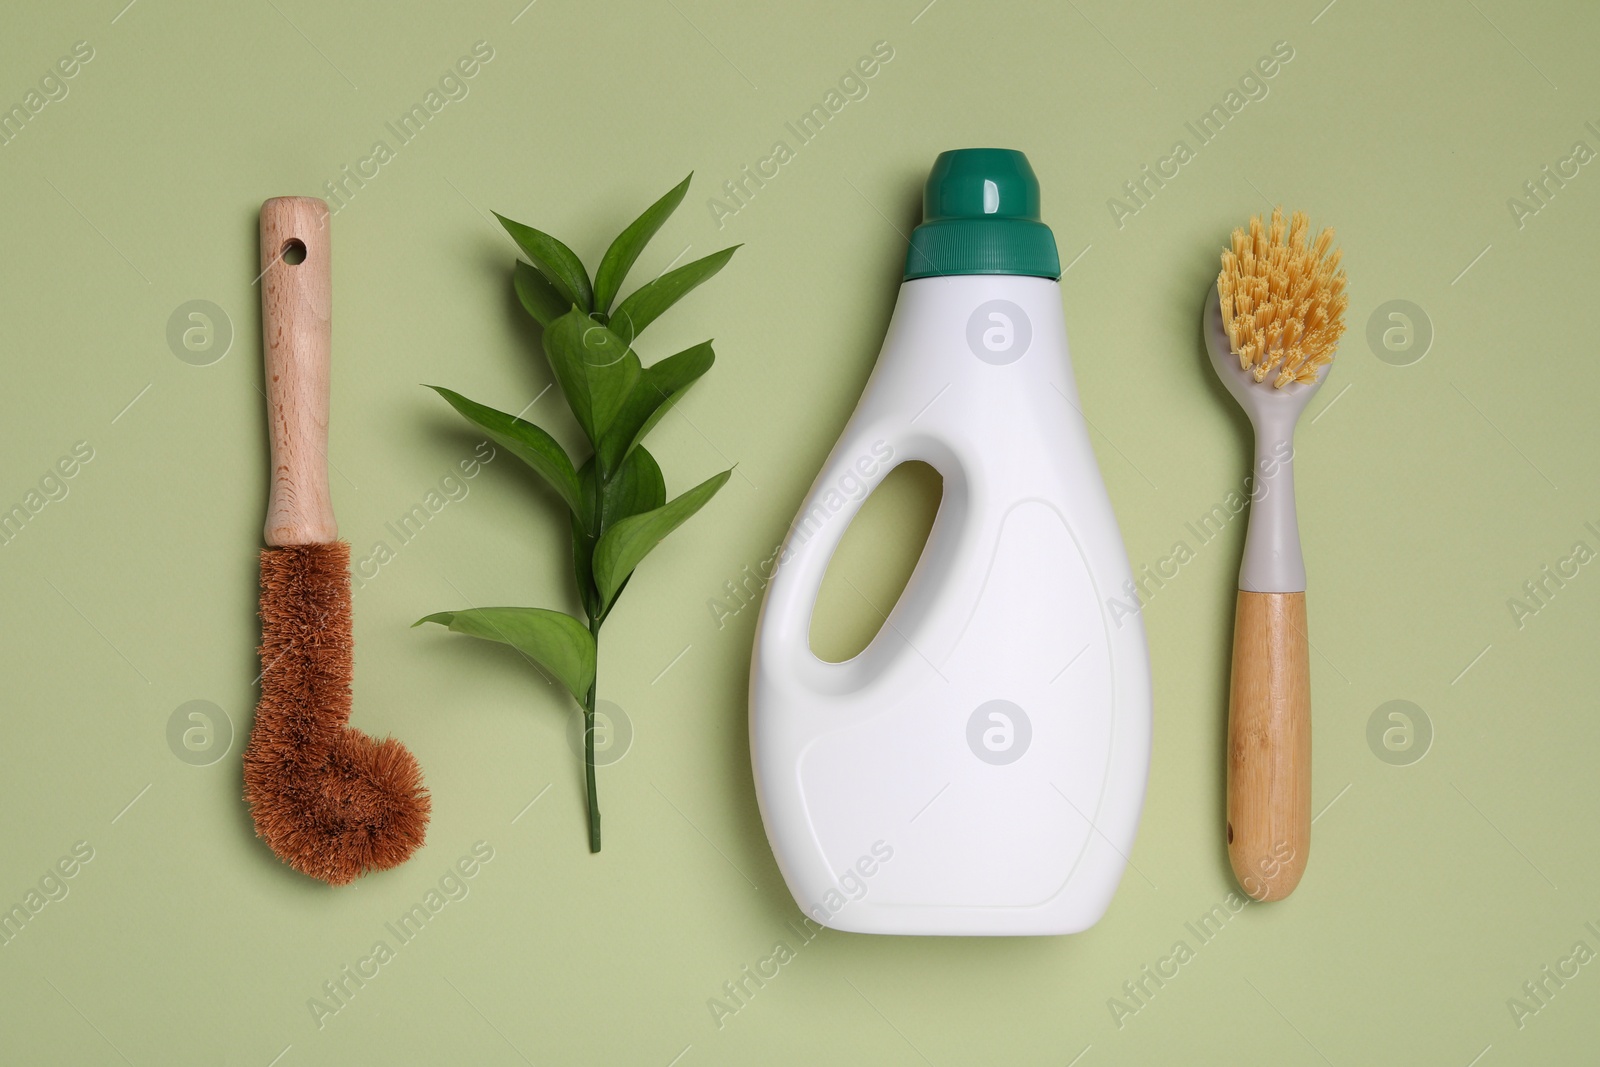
point(331, 801)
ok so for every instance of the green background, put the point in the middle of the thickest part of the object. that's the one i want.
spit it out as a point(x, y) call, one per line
point(1430, 493)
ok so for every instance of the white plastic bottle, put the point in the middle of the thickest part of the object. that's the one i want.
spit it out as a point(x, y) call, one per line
point(980, 767)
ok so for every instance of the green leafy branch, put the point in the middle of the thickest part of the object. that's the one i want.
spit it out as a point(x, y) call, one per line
point(618, 497)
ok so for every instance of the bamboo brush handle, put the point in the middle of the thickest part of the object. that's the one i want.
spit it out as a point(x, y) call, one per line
point(1269, 744)
point(297, 335)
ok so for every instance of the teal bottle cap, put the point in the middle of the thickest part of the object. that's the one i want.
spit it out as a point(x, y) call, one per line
point(980, 215)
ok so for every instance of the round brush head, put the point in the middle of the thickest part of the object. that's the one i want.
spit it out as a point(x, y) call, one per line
point(1282, 299)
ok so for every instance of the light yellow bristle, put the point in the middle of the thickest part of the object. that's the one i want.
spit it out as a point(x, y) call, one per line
point(1283, 300)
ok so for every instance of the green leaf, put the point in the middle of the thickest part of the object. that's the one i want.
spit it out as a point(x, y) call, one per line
point(671, 386)
point(583, 569)
point(559, 264)
point(555, 640)
point(646, 303)
point(524, 440)
point(620, 257)
point(624, 545)
point(637, 487)
point(539, 298)
point(659, 387)
point(596, 368)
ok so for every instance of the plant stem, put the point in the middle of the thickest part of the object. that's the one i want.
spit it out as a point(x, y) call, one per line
point(588, 751)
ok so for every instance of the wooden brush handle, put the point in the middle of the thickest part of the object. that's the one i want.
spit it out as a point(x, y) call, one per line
point(297, 334)
point(1269, 744)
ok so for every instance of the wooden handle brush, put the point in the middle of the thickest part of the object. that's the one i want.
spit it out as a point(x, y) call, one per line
point(1271, 325)
point(331, 801)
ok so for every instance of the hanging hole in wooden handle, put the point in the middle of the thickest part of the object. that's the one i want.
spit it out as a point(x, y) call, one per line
point(294, 252)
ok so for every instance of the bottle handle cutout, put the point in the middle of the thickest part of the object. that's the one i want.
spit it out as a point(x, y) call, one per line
point(816, 535)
